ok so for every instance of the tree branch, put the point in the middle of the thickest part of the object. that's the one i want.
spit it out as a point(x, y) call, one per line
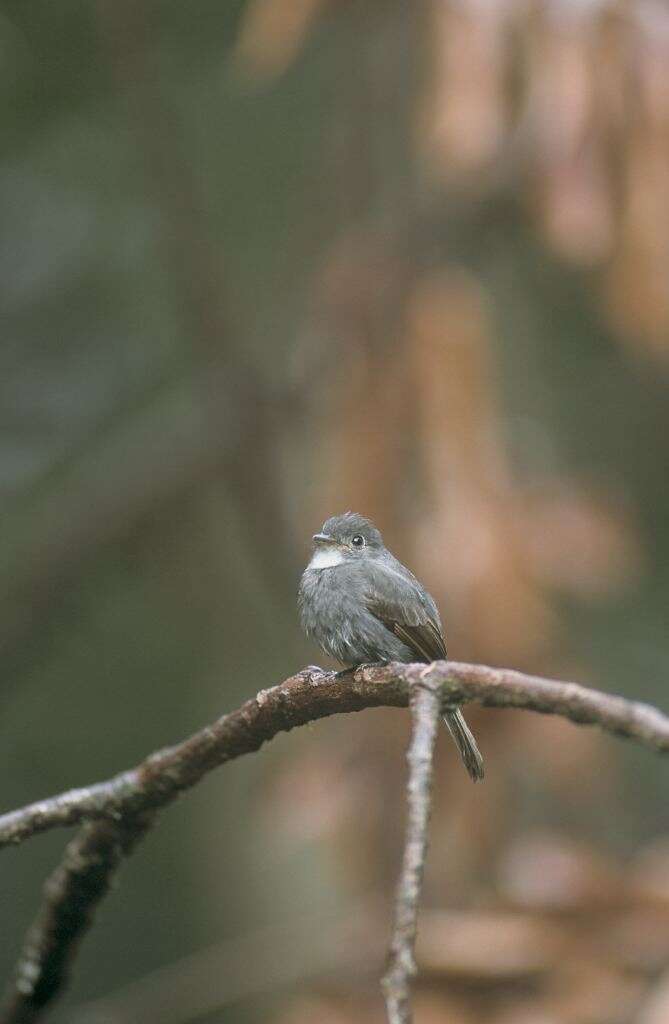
point(425, 707)
point(71, 895)
point(309, 696)
point(119, 811)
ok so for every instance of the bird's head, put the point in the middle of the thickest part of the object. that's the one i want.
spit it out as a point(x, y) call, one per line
point(344, 538)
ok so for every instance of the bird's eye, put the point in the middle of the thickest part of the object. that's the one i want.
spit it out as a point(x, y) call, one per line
point(358, 541)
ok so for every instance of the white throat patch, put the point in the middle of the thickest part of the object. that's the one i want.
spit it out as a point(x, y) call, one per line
point(326, 558)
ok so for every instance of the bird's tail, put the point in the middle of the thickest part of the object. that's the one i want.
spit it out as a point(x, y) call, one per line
point(465, 742)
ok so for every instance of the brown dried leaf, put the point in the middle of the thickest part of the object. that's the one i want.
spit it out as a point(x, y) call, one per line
point(575, 206)
point(549, 872)
point(572, 186)
point(637, 940)
point(635, 290)
point(463, 116)
point(525, 1012)
point(581, 541)
point(487, 947)
point(367, 403)
point(501, 612)
point(442, 1008)
point(585, 992)
point(271, 34)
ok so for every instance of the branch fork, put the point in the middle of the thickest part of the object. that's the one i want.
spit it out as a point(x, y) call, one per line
point(117, 813)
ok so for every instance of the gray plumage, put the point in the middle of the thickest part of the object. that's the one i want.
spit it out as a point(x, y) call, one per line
point(360, 604)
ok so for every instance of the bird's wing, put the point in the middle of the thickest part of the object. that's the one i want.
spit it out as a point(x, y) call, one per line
point(397, 600)
point(425, 639)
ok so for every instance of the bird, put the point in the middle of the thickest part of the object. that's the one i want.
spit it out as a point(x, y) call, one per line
point(361, 605)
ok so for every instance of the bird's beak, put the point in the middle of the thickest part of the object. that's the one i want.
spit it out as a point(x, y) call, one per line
point(322, 538)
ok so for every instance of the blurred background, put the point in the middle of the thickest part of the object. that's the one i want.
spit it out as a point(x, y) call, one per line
point(265, 261)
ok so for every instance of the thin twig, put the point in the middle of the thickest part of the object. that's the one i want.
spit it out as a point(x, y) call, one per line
point(309, 696)
point(71, 895)
point(425, 708)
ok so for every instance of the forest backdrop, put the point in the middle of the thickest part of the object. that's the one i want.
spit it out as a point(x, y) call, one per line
point(265, 261)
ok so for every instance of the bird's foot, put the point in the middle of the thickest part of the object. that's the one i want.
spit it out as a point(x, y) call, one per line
point(370, 664)
point(314, 670)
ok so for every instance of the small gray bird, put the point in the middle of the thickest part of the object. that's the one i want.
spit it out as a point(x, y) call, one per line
point(361, 605)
